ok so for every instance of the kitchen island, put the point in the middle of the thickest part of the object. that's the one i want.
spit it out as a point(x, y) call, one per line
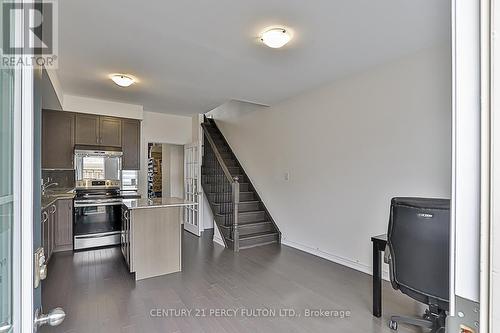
point(151, 235)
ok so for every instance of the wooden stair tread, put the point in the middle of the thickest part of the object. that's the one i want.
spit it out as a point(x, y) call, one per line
point(250, 224)
point(248, 212)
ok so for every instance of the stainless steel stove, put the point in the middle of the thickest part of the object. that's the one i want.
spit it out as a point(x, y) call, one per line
point(97, 204)
point(97, 218)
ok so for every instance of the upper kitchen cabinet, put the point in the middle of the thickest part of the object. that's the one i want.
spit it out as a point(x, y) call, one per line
point(98, 130)
point(58, 138)
point(110, 131)
point(63, 130)
point(87, 129)
point(131, 138)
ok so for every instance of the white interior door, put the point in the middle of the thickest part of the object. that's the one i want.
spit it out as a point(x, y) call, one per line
point(192, 187)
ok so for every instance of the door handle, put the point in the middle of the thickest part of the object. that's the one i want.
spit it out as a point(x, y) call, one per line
point(5, 327)
point(54, 318)
point(45, 216)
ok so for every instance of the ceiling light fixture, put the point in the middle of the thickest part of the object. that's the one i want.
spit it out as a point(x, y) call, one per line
point(122, 80)
point(275, 37)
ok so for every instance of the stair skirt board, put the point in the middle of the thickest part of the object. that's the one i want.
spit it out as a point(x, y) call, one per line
point(256, 226)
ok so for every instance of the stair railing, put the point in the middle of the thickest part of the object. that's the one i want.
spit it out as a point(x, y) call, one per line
point(227, 187)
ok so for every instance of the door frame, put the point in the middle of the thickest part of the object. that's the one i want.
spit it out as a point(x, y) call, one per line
point(491, 108)
point(474, 168)
point(24, 136)
point(26, 198)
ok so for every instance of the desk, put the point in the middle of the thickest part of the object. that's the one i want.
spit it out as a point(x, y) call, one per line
point(379, 243)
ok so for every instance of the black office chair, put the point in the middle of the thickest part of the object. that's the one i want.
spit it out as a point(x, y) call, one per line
point(417, 252)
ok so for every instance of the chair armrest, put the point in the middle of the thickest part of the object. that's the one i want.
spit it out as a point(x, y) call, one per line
point(387, 255)
point(388, 260)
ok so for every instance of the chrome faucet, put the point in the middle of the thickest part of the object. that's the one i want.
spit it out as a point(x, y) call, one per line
point(47, 184)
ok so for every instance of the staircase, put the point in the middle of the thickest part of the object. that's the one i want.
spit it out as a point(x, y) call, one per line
point(239, 213)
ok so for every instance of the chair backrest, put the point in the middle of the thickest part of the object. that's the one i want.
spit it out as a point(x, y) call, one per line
point(418, 241)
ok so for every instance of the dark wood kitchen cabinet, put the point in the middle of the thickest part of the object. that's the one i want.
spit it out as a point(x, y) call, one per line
point(110, 131)
point(45, 231)
point(131, 138)
point(48, 226)
point(94, 130)
point(63, 232)
point(62, 130)
point(58, 139)
point(87, 129)
point(57, 227)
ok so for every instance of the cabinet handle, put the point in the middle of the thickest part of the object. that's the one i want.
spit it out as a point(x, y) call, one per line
point(45, 216)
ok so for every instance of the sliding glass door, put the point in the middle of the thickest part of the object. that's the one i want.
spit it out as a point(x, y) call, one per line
point(6, 197)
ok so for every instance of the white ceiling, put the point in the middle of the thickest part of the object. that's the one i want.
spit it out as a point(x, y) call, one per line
point(191, 56)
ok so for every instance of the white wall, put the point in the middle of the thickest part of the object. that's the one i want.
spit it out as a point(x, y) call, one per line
point(56, 84)
point(349, 147)
point(161, 128)
point(197, 119)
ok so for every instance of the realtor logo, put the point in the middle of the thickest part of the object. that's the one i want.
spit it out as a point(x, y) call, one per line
point(38, 45)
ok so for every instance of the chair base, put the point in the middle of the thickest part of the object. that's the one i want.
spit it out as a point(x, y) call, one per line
point(433, 319)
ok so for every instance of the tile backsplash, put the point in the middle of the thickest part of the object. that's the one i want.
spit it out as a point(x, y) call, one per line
point(65, 178)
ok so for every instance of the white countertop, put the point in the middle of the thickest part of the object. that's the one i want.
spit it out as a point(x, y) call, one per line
point(156, 203)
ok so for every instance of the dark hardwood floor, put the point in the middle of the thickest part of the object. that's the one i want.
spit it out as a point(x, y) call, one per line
point(99, 295)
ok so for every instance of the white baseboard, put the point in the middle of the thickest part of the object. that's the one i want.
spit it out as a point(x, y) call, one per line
point(334, 258)
point(218, 240)
point(217, 236)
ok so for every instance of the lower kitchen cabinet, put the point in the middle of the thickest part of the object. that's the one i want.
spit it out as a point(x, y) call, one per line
point(57, 227)
point(125, 237)
point(63, 231)
point(48, 223)
point(45, 231)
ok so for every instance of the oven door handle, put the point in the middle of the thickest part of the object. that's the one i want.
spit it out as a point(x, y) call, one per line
point(97, 235)
point(78, 205)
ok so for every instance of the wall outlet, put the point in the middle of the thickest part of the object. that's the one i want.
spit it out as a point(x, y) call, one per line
point(287, 176)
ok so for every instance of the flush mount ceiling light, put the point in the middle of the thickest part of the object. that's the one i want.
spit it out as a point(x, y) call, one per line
point(275, 37)
point(123, 80)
